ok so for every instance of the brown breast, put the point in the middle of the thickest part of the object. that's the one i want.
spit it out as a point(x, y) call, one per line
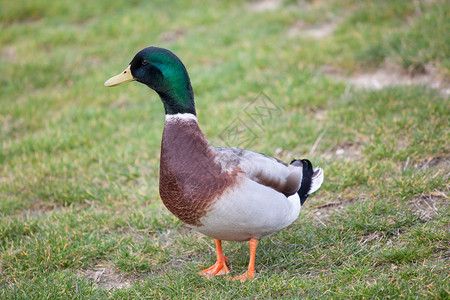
point(190, 179)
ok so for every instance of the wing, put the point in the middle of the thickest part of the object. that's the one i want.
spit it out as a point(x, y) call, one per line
point(263, 169)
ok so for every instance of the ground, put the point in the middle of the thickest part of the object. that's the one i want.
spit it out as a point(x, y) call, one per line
point(359, 88)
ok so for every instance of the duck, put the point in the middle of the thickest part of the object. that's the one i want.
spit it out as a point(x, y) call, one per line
point(226, 193)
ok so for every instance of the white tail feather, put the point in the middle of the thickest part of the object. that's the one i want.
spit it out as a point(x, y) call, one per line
point(316, 180)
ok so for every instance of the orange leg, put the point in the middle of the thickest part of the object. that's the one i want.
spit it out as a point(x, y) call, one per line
point(251, 265)
point(220, 267)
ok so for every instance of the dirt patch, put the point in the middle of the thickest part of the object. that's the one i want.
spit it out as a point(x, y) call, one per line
point(323, 211)
point(437, 163)
point(39, 208)
point(392, 75)
point(264, 5)
point(347, 151)
point(9, 54)
point(384, 78)
point(171, 36)
point(329, 205)
point(441, 164)
point(107, 277)
point(319, 31)
point(370, 238)
point(321, 114)
point(427, 206)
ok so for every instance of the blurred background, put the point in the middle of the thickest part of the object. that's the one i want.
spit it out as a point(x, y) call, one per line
point(359, 87)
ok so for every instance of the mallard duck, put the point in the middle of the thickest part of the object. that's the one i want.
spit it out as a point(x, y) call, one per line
point(228, 194)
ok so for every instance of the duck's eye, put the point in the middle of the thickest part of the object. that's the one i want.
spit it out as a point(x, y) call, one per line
point(144, 62)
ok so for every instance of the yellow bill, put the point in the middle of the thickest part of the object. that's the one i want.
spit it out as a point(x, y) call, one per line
point(123, 77)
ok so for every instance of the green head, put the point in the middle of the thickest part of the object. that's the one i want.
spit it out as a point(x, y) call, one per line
point(162, 71)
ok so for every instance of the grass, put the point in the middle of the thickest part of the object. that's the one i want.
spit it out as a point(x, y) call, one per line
point(79, 162)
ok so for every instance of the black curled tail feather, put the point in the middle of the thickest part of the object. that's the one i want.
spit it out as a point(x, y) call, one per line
point(308, 173)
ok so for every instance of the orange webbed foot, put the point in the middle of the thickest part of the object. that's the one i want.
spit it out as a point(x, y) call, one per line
point(244, 277)
point(251, 265)
point(220, 267)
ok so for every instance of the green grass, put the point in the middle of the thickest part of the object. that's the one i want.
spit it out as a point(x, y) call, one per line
point(79, 162)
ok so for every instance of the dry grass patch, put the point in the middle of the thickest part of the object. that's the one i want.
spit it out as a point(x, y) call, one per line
point(106, 276)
